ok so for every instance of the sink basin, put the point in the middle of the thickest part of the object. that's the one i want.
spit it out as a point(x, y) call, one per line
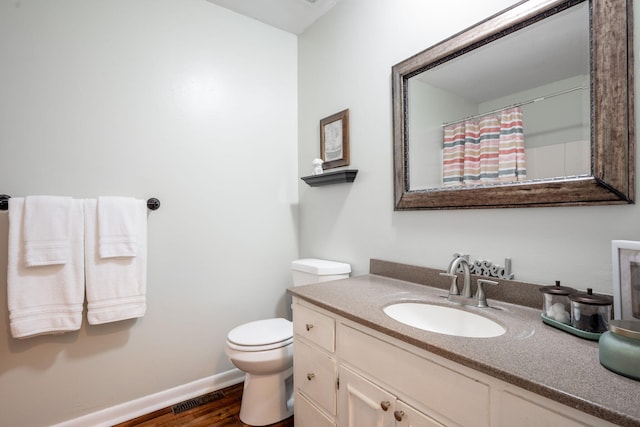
point(444, 320)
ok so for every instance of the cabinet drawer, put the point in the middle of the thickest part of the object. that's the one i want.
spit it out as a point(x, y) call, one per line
point(440, 390)
point(315, 376)
point(307, 415)
point(314, 326)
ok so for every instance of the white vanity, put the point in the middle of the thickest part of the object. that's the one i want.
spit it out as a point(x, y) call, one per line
point(354, 366)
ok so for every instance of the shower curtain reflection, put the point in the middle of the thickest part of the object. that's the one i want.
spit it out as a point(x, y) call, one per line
point(485, 150)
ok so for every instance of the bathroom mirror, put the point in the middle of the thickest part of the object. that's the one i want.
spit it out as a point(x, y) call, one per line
point(530, 107)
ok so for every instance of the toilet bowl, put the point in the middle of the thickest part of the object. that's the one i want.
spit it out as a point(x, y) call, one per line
point(263, 349)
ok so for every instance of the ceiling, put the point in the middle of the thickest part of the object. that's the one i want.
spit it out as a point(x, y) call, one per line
point(293, 16)
point(571, 53)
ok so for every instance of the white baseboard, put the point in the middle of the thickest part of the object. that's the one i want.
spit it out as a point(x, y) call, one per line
point(144, 405)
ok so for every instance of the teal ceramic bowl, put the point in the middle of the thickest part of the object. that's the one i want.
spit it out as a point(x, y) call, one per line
point(620, 348)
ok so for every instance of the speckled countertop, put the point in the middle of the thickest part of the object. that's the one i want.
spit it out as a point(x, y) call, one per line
point(530, 355)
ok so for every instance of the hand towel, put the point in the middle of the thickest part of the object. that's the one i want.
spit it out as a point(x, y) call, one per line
point(49, 298)
point(47, 227)
point(116, 287)
point(118, 226)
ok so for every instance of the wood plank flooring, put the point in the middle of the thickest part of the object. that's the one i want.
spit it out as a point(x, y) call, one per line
point(219, 413)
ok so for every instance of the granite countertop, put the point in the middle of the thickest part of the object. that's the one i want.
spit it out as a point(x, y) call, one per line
point(530, 354)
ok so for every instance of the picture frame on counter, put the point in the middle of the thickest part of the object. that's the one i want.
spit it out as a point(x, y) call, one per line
point(625, 263)
point(334, 140)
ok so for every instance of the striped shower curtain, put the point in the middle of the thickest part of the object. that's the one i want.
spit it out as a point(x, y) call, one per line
point(486, 150)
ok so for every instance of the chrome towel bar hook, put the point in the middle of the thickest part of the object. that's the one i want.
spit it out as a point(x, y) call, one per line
point(152, 203)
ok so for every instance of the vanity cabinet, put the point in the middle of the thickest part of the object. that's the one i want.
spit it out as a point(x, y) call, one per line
point(348, 375)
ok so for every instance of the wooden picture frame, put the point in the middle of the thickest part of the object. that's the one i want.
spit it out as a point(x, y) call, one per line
point(625, 263)
point(334, 140)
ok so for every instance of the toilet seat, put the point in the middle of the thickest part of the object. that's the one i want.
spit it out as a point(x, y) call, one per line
point(261, 335)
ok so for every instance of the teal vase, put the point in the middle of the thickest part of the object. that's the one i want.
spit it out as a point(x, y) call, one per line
point(620, 348)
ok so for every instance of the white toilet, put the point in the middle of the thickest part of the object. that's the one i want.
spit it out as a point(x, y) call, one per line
point(264, 351)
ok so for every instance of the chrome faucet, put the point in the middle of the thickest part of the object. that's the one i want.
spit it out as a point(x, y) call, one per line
point(480, 299)
point(458, 260)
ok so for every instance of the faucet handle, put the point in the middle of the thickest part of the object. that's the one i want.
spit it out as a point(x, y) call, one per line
point(453, 289)
point(480, 295)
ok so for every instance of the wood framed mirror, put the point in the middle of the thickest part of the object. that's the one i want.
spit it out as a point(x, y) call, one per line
point(605, 88)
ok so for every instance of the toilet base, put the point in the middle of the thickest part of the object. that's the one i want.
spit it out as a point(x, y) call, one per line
point(262, 406)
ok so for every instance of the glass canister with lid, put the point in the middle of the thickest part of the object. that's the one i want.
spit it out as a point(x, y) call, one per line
point(556, 305)
point(590, 312)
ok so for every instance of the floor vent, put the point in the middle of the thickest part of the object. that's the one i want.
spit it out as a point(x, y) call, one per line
point(196, 401)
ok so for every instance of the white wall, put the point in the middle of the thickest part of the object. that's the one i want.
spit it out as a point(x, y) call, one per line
point(345, 61)
point(177, 99)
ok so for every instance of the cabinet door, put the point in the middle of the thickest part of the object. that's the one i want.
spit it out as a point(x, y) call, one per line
point(406, 416)
point(361, 403)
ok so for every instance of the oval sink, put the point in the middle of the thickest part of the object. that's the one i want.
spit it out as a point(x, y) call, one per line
point(444, 320)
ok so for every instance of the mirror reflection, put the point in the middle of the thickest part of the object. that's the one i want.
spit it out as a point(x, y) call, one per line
point(515, 109)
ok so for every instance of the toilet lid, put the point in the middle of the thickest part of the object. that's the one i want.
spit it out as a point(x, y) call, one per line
point(262, 332)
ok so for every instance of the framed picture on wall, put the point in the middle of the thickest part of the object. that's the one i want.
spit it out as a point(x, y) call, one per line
point(334, 140)
point(625, 262)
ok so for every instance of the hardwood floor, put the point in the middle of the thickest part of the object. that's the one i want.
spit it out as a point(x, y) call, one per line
point(222, 412)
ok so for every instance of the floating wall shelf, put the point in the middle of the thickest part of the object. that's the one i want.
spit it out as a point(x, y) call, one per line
point(329, 178)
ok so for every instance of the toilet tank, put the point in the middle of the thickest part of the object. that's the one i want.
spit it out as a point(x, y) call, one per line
point(312, 270)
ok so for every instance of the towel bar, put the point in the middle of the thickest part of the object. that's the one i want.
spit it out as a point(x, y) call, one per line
point(152, 203)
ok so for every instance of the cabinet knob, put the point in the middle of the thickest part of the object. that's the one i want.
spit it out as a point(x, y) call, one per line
point(385, 405)
point(309, 326)
point(399, 415)
point(311, 376)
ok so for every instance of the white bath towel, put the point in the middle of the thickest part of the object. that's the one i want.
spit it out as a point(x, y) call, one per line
point(118, 226)
point(45, 299)
point(47, 230)
point(116, 287)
